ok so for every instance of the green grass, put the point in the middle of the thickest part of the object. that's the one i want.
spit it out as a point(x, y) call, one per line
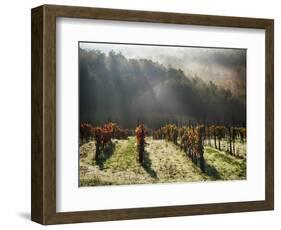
point(171, 164)
point(221, 165)
point(124, 157)
point(164, 162)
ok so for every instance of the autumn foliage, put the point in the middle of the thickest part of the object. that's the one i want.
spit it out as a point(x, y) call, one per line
point(140, 136)
point(189, 139)
point(102, 135)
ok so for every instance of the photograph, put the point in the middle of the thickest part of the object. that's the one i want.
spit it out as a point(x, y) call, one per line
point(151, 113)
point(173, 108)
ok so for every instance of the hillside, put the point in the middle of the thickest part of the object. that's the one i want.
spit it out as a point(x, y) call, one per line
point(164, 161)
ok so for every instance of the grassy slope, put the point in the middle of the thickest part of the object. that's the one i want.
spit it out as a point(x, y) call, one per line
point(240, 148)
point(164, 162)
point(223, 166)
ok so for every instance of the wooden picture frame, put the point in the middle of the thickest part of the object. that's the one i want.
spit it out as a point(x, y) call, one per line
point(43, 189)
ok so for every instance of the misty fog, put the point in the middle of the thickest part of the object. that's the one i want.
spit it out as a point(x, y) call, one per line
point(158, 84)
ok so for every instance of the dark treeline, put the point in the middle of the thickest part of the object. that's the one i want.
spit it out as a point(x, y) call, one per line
point(128, 91)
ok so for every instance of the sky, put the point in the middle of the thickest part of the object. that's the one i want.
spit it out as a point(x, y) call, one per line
point(225, 67)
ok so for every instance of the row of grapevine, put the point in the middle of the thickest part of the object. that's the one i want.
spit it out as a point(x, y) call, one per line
point(102, 135)
point(231, 135)
point(211, 135)
point(190, 140)
point(168, 132)
point(87, 131)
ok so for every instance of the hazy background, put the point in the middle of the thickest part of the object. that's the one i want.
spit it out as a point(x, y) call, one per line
point(160, 84)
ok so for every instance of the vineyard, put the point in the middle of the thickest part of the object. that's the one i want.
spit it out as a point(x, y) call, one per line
point(111, 155)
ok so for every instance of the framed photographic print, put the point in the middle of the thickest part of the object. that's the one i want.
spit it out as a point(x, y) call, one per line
point(139, 114)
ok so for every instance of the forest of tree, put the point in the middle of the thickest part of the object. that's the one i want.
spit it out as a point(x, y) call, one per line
point(127, 91)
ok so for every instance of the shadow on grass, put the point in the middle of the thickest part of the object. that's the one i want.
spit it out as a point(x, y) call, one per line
point(105, 155)
point(211, 171)
point(147, 165)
